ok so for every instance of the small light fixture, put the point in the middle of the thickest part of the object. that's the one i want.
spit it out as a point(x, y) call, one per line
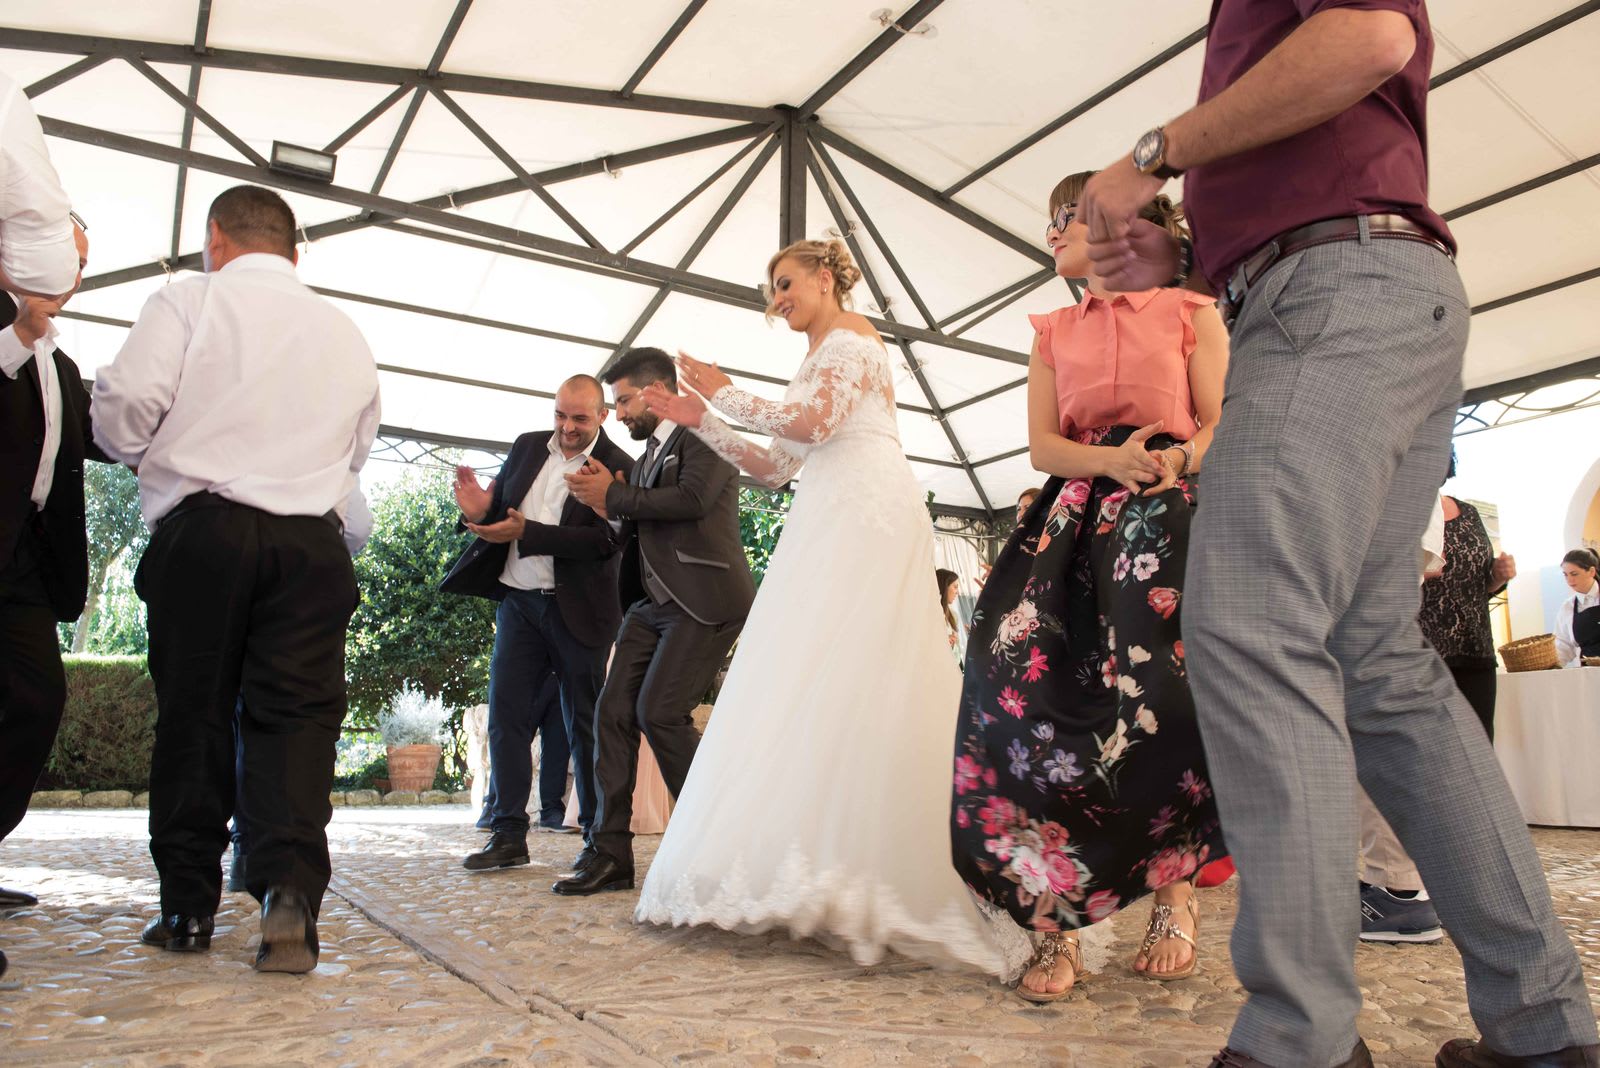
point(301, 162)
point(884, 17)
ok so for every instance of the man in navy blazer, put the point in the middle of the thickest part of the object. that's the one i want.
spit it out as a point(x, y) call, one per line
point(552, 564)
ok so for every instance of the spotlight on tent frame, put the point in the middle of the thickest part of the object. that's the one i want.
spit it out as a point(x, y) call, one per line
point(301, 162)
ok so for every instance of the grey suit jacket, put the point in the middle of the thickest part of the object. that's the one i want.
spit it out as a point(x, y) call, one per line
point(684, 519)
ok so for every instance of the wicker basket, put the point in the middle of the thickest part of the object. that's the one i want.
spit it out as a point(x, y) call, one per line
point(1537, 653)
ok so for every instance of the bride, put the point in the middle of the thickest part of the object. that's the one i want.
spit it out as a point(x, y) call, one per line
point(819, 797)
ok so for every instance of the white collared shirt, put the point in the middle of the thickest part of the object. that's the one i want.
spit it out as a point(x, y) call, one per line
point(244, 383)
point(1567, 648)
point(543, 504)
point(14, 357)
point(37, 252)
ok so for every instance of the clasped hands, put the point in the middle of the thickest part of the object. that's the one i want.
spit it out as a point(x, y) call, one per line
point(1126, 252)
point(1138, 470)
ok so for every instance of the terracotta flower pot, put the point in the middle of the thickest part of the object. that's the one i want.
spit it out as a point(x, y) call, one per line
point(412, 767)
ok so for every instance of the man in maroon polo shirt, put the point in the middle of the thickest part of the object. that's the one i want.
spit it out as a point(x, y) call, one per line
point(1307, 191)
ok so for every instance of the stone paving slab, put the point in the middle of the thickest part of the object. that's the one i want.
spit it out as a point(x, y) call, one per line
point(425, 963)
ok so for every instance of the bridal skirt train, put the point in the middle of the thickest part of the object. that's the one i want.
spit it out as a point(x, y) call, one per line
point(819, 799)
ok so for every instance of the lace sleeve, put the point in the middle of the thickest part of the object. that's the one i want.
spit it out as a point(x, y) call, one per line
point(773, 466)
point(833, 380)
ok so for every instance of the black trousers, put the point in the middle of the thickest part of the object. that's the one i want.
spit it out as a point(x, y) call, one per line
point(33, 687)
point(1478, 683)
point(247, 611)
point(531, 641)
point(665, 662)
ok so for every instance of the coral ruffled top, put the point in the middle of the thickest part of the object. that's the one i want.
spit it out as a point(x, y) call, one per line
point(1124, 361)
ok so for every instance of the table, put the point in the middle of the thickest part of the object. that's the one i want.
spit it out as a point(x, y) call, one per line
point(1547, 735)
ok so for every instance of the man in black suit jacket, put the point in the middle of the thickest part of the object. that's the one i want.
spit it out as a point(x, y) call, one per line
point(552, 563)
point(44, 561)
point(685, 574)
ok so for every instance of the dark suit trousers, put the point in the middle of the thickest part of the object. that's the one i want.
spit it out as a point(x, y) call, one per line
point(531, 641)
point(665, 663)
point(33, 688)
point(247, 612)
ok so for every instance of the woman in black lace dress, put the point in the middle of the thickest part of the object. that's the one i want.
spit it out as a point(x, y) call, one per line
point(1455, 606)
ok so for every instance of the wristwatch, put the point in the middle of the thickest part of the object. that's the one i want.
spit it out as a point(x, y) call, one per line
point(1150, 155)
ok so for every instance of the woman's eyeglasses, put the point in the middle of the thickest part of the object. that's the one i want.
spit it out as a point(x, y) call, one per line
point(1063, 218)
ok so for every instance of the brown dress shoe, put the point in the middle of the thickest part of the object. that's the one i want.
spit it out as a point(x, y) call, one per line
point(1360, 1057)
point(1468, 1053)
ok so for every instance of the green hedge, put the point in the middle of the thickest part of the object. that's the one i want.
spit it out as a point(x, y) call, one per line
point(108, 728)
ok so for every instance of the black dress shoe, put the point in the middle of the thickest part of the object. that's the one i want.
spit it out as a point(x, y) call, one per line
point(600, 875)
point(1360, 1057)
point(179, 932)
point(16, 899)
point(1467, 1053)
point(2, 964)
point(288, 933)
point(505, 850)
point(236, 872)
point(586, 857)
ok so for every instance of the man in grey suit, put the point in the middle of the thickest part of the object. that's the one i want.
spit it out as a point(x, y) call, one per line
point(1307, 189)
point(688, 585)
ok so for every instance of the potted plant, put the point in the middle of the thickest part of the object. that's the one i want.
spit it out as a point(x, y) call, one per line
point(412, 727)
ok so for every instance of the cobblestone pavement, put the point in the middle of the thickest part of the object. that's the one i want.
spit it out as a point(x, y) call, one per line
point(424, 963)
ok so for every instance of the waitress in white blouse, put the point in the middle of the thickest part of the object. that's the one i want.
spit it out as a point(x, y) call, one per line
point(1578, 620)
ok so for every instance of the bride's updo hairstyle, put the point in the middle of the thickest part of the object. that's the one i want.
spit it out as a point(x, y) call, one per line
point(1161, 211)
point(815, 255)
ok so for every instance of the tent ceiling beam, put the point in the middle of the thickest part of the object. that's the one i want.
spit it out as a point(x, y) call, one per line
point(344, 70)
point(1544, 29)
point(367, 120)
point(815, 160)
point(1005, 291)
point(1010, 300)
point(448, 38)
point(694, 194)
point(64, 75)
point(399, 139)
point(884, 169)
point(862, 60)
point(1153, 63)
point(872, 231)
point(677, 27)
point(792, 181)
point(1537, 291)
point(729, 202)
point(1575, 167)
point(474, 195)
point(1528, 383)
point(532, 184)
point(202, 26)
point(193, 110)
point(565, 253)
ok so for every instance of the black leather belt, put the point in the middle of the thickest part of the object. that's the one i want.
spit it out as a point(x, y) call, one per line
point(1254, 266)
point(206, 499)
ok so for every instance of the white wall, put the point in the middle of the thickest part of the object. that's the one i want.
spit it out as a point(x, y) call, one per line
point(1542, 474)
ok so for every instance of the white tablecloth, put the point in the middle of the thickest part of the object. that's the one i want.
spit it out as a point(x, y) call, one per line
point(1547, 735)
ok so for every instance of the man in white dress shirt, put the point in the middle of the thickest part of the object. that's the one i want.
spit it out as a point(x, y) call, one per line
point(247, 404)
point(37, 254)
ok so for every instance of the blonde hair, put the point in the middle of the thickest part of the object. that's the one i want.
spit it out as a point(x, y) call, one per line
point(1161, 211)
point(814, 256)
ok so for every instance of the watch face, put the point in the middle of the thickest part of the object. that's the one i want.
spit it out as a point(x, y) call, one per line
point(1148, 148)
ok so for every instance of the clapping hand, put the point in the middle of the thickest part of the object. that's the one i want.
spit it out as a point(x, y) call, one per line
point(685, 409)
point(704, 378)
point(508, 529)
point(589, 484)
point(473, 500)
point(1505, 569)
point(1127, 253)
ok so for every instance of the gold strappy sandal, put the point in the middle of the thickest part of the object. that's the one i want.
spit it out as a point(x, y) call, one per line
point(1055, 945)
point(1162, 926)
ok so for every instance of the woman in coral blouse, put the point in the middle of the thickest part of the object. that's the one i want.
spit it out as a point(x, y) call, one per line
point(1080, 781)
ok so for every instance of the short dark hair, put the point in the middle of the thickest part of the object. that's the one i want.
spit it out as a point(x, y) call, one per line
point(256, 218)
point(642, 367)
point(1587, 559)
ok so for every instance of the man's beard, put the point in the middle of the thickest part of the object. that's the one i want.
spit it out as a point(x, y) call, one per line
point(644, 426)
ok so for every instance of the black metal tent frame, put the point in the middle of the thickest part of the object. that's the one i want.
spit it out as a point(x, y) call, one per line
point(804, 144)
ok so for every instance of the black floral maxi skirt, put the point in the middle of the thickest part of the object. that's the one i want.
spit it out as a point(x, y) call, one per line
point(1080, 781)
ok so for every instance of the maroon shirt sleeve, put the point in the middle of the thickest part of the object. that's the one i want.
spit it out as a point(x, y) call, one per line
point(1409, 8)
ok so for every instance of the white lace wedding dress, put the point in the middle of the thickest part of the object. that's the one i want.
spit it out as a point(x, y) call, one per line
point(819, 799)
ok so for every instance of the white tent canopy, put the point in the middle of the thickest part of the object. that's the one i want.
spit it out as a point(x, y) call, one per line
point(525, 187)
